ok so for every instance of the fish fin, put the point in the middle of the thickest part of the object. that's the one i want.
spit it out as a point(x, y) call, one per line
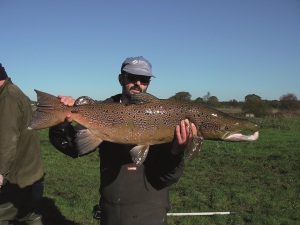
point(192, 150)
point(141, 98)
point(85, 141)
point(50, 111)
point(84, 100)
point(139, 154)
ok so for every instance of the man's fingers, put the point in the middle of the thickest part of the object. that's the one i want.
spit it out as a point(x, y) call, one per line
point(185, 131)
point(66, 100)
point(178, 133)
point(193, 130)
point(1, 180)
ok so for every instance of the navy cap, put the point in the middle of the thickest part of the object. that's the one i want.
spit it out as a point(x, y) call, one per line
point(137, 66)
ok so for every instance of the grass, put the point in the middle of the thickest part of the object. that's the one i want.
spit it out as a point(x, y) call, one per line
point(260, 181)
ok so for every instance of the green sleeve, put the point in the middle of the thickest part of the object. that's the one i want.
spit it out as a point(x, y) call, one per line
point(10, 119)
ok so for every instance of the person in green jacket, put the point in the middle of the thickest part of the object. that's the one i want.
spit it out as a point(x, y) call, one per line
point(21, 168)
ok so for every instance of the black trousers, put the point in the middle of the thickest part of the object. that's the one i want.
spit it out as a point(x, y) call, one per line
point(132, 215)
point(24, 199)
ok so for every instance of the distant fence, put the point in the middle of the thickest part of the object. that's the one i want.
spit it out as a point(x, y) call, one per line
point(287, 114)
point(250, 115)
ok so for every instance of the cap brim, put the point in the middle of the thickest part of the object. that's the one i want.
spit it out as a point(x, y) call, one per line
point(138, 72)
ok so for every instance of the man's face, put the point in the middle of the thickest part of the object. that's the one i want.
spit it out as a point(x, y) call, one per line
point(134, 83)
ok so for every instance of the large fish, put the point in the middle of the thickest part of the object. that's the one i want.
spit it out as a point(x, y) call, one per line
point(145, 121)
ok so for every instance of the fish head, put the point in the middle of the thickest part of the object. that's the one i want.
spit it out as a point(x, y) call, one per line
point(234, 130)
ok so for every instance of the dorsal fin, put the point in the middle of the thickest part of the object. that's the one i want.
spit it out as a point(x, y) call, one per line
point(140, 98)
point(84, 100)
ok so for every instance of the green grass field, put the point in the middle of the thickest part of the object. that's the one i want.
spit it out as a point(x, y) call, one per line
point(260, 181)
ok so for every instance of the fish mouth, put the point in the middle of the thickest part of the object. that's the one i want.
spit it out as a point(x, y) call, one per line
point(232, 135)
point(238, 136)
point(242, 132)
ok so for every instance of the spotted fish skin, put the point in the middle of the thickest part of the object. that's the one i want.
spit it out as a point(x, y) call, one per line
point(145, 121)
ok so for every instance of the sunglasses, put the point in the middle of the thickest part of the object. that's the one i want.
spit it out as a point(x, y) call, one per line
point(134, 78)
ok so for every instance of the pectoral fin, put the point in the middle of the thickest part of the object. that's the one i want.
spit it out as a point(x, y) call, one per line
point(193, 148)
point(86, 142)
point(139, 154)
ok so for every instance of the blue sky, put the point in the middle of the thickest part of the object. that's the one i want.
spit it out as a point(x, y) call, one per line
point(229, 48)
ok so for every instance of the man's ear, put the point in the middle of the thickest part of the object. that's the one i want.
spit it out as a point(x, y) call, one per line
point(121, 79)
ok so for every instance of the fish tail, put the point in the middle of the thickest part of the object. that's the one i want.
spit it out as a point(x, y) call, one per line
point(50, 111)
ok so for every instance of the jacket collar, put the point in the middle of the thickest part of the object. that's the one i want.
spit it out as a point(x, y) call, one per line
point(6, 82)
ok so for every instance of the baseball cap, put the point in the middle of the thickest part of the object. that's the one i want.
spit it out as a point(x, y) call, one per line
point(137, 66)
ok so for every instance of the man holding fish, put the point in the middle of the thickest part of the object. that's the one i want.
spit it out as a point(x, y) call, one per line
point(132, 192)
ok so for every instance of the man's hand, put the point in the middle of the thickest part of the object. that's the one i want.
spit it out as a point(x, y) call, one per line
point(1, 180)
point(183, 133)
point(68, 101)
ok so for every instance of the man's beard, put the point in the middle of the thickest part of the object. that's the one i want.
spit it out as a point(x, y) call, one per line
point(135, 87)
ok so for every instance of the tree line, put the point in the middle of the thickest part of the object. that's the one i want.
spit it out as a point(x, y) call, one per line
point(252, 104)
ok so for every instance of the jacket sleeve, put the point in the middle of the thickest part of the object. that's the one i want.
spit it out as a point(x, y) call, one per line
point(162, 168)
point(10, 123)
point(62, 138)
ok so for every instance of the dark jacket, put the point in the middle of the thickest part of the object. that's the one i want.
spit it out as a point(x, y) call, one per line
point(20, 156)
point(124, 183)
